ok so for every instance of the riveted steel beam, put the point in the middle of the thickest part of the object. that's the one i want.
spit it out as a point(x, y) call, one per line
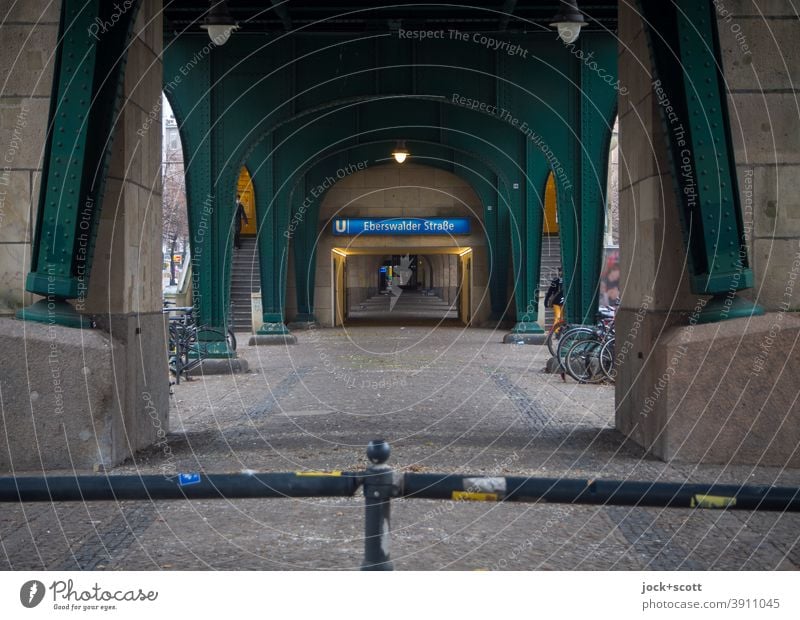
point(84, 105)
point(288, 90)
point(581, 188)
point(689, 87)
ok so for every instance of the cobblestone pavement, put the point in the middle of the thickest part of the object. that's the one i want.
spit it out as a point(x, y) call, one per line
point(448, 400)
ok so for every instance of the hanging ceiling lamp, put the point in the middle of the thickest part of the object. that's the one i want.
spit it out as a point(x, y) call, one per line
point(400, 152)
point(218, 22)
point(569, 21)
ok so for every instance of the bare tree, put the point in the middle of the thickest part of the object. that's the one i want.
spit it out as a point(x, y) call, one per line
point(176, 218)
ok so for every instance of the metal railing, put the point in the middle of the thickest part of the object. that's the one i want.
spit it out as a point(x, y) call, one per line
point(381, 483)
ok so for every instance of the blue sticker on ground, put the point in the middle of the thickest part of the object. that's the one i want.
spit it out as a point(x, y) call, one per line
point(184, 479)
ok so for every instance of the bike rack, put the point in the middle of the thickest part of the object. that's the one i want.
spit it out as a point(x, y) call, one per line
point(381, 483)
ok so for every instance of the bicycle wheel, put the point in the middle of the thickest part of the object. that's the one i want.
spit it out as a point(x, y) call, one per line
point(553, 337)
point(607, 359)
point(231, 338)
point(583, 361)
point(173, 359)
point(569, 337)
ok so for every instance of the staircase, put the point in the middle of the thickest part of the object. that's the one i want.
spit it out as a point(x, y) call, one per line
point(245, 279)
point(551, 261)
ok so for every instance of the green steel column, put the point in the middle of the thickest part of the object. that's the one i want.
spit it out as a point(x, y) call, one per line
point(303, 231)
point(522, 223)
point(187, 84)
point(219, 238)
point(529, 238)
point(582, 194)
point(690, 91)
point(501, 256)
point(84, 109)
point(272, 211)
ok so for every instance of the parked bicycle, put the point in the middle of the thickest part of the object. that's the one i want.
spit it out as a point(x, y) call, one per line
point(188, 343)
point(586, 353)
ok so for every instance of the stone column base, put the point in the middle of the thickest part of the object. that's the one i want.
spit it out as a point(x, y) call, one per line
point(518, 338)
point(303, 325)
point(526, 332)
point(724, 392)
point(270, 339)
point(82, 399)
point(210, 366)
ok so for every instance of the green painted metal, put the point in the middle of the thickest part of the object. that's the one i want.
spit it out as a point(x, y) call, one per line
point(304, 226)
point(84, 106)
point(526, 238)
point(283, 104)
point(581, 188)
point(189, 84)
point(334, 129)
point(272, 212)
point(691, 96)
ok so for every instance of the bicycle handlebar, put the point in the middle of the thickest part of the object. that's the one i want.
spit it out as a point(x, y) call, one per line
point(187, 309)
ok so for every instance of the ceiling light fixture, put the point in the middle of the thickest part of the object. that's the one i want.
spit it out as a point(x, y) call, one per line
point(218, 22)
point(569, 21)
point(400, 152)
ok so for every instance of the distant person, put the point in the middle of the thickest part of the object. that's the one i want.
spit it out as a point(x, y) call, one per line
point(240, 215)
point(555, 297)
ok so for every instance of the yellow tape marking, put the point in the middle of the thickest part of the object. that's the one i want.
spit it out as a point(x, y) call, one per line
point(712, 501)
point(474, 497)
point(317, 473)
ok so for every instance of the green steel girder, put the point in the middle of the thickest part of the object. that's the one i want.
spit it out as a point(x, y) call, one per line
point(84, 110)
point(690, 91)
point(526, 219)
point(598, 108)
point(505, 143)
point(291, 149)
point(305, 209)
point(290, 88)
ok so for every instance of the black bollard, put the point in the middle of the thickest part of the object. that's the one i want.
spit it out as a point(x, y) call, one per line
point(380, 486)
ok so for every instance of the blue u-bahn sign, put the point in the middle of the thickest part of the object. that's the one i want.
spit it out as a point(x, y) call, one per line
point(402, 226)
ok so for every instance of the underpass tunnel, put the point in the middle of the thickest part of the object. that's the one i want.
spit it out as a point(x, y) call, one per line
point(397, 289)
point(433, 276)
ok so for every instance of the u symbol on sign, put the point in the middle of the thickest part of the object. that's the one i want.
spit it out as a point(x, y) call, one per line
point(341, 226)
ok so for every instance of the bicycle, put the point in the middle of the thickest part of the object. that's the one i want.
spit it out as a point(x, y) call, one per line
point(580, 349)
point(607, 359)
point(187, 342)
point(589, 360)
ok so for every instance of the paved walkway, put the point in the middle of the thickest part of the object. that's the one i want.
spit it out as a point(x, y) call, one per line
point(402, 307)
point(448, 400)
